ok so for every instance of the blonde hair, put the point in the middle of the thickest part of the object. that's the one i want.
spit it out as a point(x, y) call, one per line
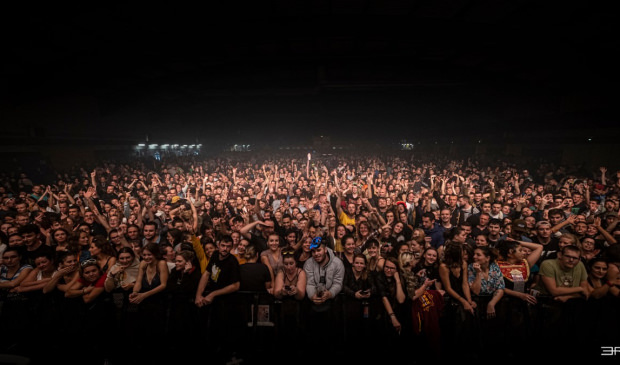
point(406, 259)
point(250, 252)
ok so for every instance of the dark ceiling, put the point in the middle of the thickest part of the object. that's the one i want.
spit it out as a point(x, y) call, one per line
point(408, 66)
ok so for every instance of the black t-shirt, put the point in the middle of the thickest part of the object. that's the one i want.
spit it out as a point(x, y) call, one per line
point(254, 275)
point(29, 256)
point(222, 272)
point(550, 250)
point(259, 242)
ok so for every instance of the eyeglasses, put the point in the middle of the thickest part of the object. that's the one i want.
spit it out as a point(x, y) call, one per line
point(391, 268)
point(88, 262)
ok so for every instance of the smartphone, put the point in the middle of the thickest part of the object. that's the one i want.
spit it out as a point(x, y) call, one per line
point(287, 287)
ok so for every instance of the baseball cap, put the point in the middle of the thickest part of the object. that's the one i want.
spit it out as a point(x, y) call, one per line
point(317, 242)
point(519, 225)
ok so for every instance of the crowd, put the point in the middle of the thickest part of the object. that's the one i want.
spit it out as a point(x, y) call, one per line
point(421, 260)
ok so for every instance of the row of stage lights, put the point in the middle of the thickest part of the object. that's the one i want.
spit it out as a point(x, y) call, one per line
point(169, 146)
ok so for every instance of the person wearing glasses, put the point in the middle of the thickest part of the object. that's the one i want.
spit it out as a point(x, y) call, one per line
point(563, 292)
point(566, 277)
point(392, 293)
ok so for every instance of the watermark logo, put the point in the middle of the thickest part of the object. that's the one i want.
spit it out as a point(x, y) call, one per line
point(610, 350)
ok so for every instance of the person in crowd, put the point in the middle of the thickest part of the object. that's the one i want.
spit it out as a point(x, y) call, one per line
point(101, 250)
point(458, 321)
point(148, 293)
point(15, 317)
point(216, 299)
point(96, 310)
point(359, 311)
point(487, 284)
point(392, 293)
point(303, 252)
point(325, 275)
point(518, 280)
point(290, 289)
point(348, 254)
point(182, 328)
point(244, 197)
point(272, 256)
point(428, 266)
point(120, 281)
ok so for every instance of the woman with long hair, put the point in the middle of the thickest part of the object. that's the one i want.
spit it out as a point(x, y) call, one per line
point(120, 281)
point(290, 289)
point(101, 250)
point(487, 283)
point(428, 266)
point(458, 321)
point(148, 292)
point(358, 287)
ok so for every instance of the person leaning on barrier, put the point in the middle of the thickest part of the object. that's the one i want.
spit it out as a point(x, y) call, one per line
point(324, 281)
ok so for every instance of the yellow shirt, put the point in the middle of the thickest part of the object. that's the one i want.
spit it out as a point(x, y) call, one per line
point(344, 219)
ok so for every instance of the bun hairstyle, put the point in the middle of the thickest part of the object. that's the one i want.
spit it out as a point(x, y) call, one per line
point(187, 255)
point(406, 259)
point(250, 252)
point(504, 248)
point(490, 252)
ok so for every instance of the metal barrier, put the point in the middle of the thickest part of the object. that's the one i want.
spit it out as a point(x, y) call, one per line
point(591, 323)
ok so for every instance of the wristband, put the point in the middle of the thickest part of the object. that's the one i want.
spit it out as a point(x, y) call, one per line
point(392, 315)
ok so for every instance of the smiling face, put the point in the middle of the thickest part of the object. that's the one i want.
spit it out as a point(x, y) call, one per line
point(179, 262)
point(147, 256)
point(319, 254)
point(599, 269)
point(91, 273)
point(481, 258)
point(349, 245)
point(588, 244)
point(359, 264)
point(430, 257)
point(273, 242)
point(44, 264)
point(125, 259)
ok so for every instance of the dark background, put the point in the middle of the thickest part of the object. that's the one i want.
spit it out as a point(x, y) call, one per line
point(281, 71)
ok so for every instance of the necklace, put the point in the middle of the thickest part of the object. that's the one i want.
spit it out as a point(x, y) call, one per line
point(289, 280)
